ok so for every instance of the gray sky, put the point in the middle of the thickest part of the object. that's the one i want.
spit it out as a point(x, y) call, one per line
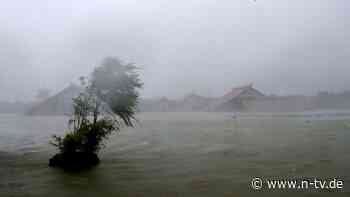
point(201, 46)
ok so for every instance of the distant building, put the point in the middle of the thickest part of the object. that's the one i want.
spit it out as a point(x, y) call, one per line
point(59, 104)
point(237, 99)
point(195, 103)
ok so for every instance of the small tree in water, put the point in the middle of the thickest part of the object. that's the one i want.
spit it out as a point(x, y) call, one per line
point(107, 103)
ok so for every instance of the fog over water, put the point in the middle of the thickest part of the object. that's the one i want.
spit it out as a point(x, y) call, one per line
point(204, 46)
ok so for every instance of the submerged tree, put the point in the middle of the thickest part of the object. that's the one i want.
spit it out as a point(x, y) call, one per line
point(107, 103)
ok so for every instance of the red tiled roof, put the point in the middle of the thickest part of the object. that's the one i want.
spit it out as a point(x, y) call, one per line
point(236, 92)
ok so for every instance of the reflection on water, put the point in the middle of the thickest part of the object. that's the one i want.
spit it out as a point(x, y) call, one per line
point(177, 154)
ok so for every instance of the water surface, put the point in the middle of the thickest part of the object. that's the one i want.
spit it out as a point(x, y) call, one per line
point(178, 154)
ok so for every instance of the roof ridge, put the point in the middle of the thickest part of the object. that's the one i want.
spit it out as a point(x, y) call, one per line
point(250, 85)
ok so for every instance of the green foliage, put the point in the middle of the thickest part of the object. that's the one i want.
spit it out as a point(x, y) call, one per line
point(116, 84)
point(87, 138)
point(108, 102)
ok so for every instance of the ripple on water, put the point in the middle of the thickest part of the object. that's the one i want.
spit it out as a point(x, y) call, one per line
point(196, 158)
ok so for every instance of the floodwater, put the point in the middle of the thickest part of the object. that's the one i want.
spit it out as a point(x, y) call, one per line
point(179, 154)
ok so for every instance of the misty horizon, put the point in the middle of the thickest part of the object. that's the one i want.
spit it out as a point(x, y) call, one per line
point(196, 98)
point(205, 47)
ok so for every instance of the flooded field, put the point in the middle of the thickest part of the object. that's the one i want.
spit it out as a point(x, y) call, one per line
point(179, 154)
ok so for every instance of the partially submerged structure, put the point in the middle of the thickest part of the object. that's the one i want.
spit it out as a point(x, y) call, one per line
point(237, 99)
point(59, 104)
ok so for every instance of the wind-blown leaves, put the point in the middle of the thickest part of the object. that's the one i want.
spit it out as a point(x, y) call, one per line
point(108, 102)
point(117, 84)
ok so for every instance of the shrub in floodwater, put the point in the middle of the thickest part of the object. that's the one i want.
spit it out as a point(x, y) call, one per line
point(108, 102)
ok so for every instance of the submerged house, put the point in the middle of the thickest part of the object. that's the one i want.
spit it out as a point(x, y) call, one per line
point(195, 103)
point(59, 104)
point(238, 99)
